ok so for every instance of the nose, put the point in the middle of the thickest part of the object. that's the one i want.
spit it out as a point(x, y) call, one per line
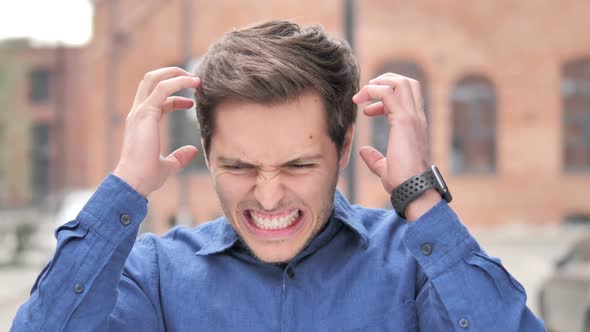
point(269, 190)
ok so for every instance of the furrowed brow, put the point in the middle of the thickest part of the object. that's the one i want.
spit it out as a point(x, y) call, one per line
point(239, 162)
point(233, 161)
point(303, 160)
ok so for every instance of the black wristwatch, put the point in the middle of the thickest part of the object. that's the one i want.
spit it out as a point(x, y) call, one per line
point(416, 186)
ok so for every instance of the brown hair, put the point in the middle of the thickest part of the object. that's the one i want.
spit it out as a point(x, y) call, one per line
point(272, 62)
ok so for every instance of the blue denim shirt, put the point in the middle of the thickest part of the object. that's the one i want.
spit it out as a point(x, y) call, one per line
point(368, 270)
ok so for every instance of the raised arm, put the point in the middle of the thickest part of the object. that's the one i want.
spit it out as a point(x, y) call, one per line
point(79, 288)
point(464, 289)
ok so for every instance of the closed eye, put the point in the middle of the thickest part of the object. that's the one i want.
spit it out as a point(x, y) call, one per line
point(302, 165)
point(237, 167)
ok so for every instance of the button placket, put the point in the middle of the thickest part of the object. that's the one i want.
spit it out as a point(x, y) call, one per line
point(290, 272)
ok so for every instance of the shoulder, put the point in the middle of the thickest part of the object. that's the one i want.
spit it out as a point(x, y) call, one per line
point(182, 238)
point(179, 242)
point(378, 224)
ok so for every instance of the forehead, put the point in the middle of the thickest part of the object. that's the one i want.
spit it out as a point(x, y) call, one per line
point(271, 133)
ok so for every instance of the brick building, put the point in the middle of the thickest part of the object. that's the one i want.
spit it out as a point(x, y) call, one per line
point(507, 88)
point(39, 123)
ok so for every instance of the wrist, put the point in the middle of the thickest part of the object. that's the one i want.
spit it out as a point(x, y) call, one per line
point(132, 181)
point(420, 193)
point(422, 204)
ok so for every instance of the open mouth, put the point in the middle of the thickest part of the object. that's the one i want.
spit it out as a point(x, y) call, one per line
point(274, 224)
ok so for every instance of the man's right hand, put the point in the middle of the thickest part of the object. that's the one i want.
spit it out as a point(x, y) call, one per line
point(141, 164)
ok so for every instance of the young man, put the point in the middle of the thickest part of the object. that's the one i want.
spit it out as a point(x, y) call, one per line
point(276, 106)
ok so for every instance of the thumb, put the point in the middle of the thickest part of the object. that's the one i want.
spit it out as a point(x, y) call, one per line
point(180, 158)
point(374, 160)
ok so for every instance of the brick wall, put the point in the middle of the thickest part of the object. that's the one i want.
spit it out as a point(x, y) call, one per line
point(519, 47)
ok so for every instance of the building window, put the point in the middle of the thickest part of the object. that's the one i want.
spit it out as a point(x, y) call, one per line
point(473, 102)
point(577, 219)
point(40, 80)
point(575, 94)
point(41, 160)
point(379, 125)
point(172, 222)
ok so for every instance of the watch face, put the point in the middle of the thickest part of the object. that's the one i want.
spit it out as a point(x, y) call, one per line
point(443, 189)
point(439, 178)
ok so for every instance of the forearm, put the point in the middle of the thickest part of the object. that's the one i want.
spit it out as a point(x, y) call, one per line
point(464, 287)
point(80, 282)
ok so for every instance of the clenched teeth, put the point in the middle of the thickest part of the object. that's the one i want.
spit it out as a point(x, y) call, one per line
point(274, 223)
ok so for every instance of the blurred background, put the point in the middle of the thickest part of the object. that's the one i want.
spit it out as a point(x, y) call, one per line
point(506, 85)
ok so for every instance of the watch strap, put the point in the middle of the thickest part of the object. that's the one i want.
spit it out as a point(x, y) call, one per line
point(411, 189)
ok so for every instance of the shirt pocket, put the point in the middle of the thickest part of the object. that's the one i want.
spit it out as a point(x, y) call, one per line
point(493, 268)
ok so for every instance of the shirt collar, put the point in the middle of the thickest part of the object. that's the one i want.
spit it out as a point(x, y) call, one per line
point(348, 215)
point(224, 237)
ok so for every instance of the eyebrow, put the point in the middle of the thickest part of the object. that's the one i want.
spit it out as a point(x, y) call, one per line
point(298, 160)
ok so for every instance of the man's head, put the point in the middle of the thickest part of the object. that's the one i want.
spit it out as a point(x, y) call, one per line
point(276, 115)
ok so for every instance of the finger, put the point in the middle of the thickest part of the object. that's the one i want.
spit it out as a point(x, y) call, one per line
point(180, 158)
point(408, 88)
point(374, 160)
point(151, 79)
point(383, 93)
point(374, 109)
point(165, 88)
point(371, 92)
point(177, 103)
point(389, 74)
point(393, 79)
point(414, 85)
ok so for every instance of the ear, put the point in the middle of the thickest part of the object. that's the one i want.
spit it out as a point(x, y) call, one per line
point(346, 147)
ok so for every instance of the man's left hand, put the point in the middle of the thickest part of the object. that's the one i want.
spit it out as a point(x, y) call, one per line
point(400, 103)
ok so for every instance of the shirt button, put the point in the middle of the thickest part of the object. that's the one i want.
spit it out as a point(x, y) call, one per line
point(426, 249)
point(463, 323)
point(125, 219)
point(78, 288)
point(290, 273)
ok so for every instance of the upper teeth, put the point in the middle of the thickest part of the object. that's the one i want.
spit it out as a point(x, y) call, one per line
point(269, 222)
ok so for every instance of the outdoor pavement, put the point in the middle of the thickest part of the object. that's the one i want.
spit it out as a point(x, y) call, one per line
point(16, 284)
point(527, 252)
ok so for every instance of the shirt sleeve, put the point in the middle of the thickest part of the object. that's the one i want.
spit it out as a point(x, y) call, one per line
point(78, 289)
point(464, 290)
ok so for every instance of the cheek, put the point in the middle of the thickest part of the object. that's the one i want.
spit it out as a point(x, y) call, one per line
point(229, 190)
point(312, 187)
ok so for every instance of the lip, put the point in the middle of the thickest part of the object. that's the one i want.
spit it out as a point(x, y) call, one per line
point(279, 234)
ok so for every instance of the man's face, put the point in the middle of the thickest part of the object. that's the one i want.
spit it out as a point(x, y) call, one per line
point(275, 171)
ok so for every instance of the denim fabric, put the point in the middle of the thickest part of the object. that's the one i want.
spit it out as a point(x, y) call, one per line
point(368, 270)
